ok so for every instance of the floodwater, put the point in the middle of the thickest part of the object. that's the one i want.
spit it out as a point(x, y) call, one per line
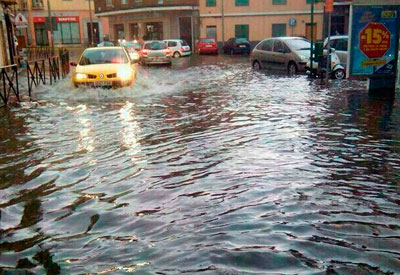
point(207, 167)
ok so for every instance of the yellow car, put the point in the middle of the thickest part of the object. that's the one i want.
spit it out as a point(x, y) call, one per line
point(107, 67)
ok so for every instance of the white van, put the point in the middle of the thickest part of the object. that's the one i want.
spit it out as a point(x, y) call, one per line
point(178, 47)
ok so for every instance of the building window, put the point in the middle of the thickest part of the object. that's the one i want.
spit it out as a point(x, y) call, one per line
point(279, 2)
point(160, 2)
point(241, 2)
point(242, 31)
point(124, 2)
point(109, 3)
point(41, 34)
point(211, 3)
point(278, 30)
point(67, 33)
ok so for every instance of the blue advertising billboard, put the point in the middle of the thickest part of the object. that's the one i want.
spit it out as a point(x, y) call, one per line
point(374, 40)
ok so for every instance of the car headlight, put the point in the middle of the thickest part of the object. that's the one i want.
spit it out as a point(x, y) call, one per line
point(80, 76)
point(303, 58)
point(134, 55)
point(124, 73)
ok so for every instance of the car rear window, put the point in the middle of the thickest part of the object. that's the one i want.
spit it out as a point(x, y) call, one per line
point(103, 56)
point(298, 44)
point(208, 40)
point(241, 40)
point(184, 43)
point(155, 46)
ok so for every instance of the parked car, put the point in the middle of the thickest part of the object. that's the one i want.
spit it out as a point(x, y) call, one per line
point(287, 53)
point(133, 48)
point(237, 45)
point(178, 47)
point(206, 45)
point(337, 69)
point(339, 43)
point(155, 52)
point(104, 67)
point(106, 44)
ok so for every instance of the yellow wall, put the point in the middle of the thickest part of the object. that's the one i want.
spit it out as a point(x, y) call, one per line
point(260, 26)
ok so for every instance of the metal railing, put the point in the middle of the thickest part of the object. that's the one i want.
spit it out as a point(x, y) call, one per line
point(9, 82)
point(39, 71)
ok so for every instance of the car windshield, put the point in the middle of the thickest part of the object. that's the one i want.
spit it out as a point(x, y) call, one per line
point(184, 43)
point(103, 56)
point(241, 40)
point(155, 46)
point(298, 44)
point(208, 40)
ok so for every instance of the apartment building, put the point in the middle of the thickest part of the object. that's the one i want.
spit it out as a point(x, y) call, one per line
point(71, 22)
point(150, 19)
point(256, 19)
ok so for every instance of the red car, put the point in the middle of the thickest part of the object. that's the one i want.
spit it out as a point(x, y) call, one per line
point(206, 45)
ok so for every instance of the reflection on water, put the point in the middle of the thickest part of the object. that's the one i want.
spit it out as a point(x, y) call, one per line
point(212, 169)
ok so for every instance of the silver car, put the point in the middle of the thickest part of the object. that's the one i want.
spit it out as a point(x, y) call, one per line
point(155, 52)
point(179, 47)
point(281, 53)
point(339, 43)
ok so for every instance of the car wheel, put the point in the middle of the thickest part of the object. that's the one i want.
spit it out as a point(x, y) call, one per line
point(292, 68)
point(176, 55)
point(231, 52)
point(256, 66)
point(339, 74)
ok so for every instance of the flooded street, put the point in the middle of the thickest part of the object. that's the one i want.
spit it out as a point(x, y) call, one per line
point(207, 167)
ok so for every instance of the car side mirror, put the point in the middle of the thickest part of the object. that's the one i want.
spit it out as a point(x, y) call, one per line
point(332, 50)
point(73, 64)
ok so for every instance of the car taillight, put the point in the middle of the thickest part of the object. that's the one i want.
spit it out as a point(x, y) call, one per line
point(182, 49)
point(145, 52)
point(167, 51)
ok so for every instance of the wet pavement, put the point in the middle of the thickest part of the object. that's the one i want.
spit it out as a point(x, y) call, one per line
point(207, 167)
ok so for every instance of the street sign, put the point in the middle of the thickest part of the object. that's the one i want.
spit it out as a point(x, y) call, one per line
point(374, 40)
point(20, 21)
point(329, 6)
point(292, 22)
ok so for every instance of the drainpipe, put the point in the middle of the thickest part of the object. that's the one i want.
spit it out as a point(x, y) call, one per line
point(192, 26)
point(91, 24)
point(223, 21)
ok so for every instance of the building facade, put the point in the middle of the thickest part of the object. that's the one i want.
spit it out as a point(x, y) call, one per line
point(150, 19)
point(256, 19)
point(71, 23)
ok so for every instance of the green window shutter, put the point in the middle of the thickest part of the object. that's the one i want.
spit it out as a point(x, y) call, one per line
point(211, 3)
point(242, 31)
point(278, 30)
point(279, 2)
point(241, 2)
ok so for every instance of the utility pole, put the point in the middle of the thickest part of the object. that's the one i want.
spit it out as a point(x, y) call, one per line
point(192, 27)
point(91, 24)
point(51, 40)
point(223, 21)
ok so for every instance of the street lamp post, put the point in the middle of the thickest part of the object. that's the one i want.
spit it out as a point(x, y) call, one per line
point(51, 40)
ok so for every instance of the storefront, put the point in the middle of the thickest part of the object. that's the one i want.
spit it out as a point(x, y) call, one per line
point(68, 30)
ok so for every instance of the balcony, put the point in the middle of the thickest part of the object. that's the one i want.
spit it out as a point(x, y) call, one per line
point(102, 6)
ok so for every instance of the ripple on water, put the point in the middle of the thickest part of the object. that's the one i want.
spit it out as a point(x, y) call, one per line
point(213, 169)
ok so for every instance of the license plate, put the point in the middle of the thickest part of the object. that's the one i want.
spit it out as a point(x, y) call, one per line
point(208, 46)
point(242, 46)
point(102, 83)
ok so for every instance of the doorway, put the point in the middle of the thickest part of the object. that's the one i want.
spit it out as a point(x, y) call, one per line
point(308, 31)
point(96, 33)
point(211, 32)
point(185, 29)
